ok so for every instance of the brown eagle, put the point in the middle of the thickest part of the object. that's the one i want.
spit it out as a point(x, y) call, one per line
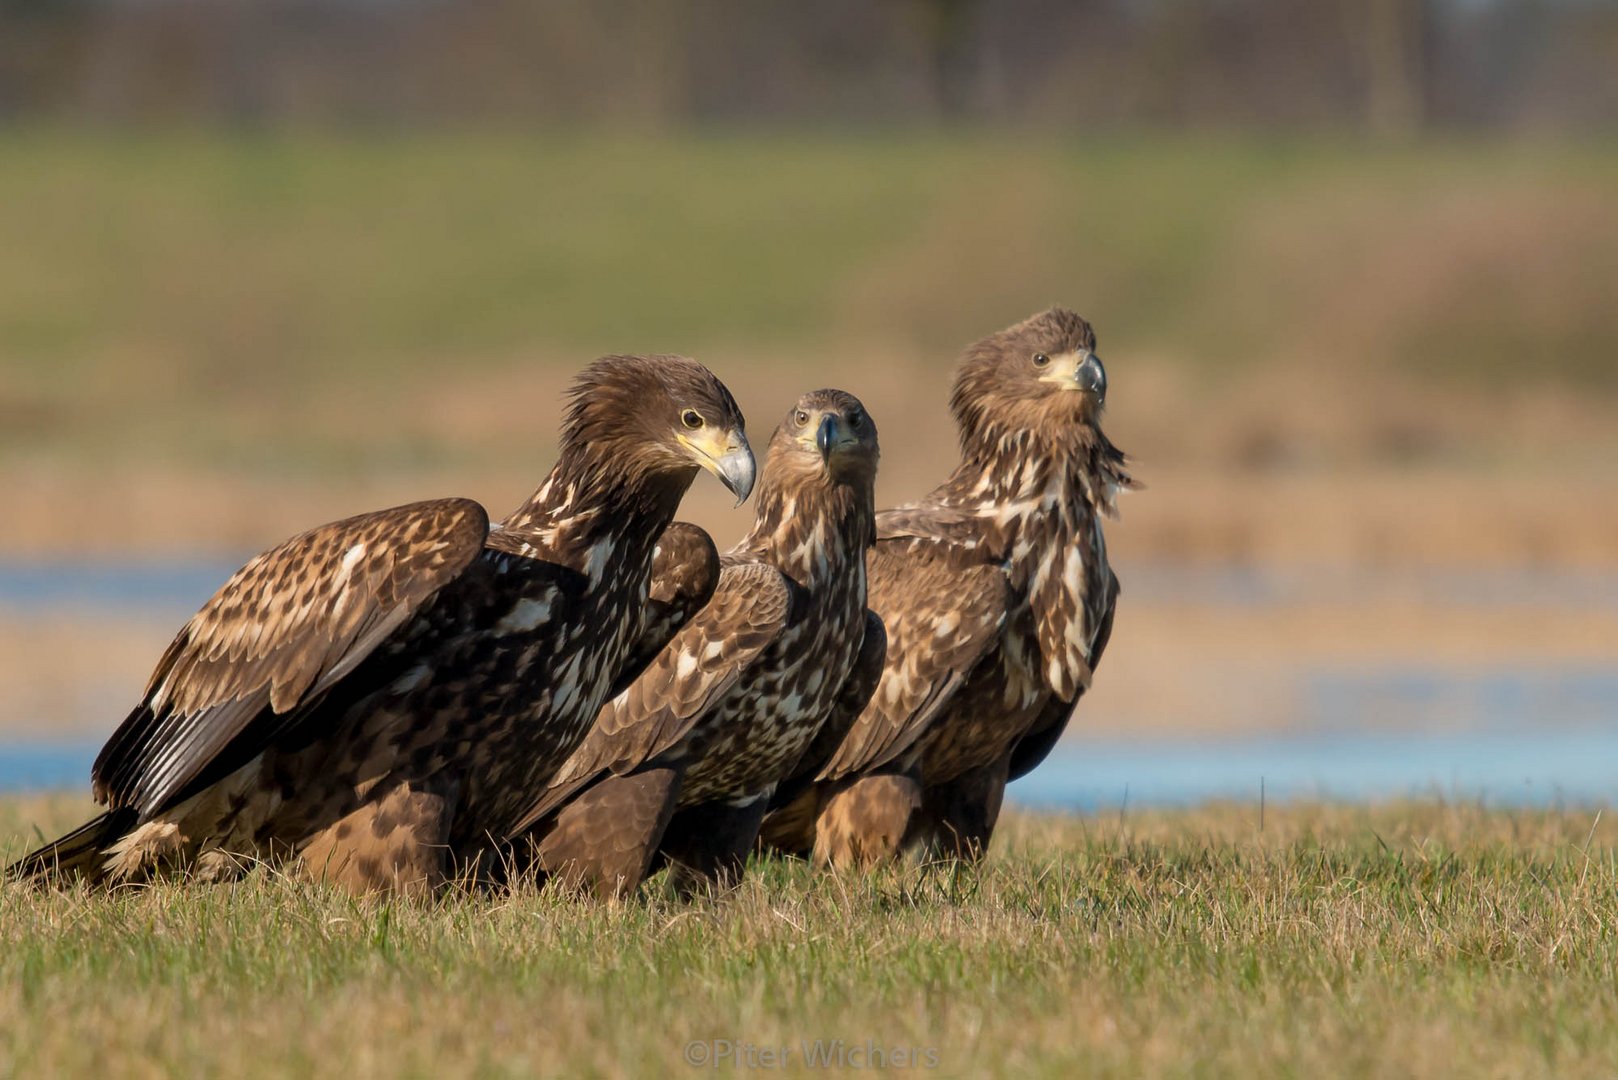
point(681, 765)
point(381, 698)
point(998, 602)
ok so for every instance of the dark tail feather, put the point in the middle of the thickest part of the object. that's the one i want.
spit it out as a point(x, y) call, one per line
point(78, 853)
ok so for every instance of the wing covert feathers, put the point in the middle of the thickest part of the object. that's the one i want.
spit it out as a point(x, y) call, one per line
point(940, 621)
point(284, 629)
point(1033, 747)
point(694, 671)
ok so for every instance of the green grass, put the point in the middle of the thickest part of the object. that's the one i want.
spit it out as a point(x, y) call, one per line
point(156, 288)
point(1421, 940)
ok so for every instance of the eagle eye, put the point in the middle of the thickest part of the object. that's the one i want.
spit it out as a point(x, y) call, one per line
point(855, 418)
point(1040, 359)
point(800, 417)
point(691, 419)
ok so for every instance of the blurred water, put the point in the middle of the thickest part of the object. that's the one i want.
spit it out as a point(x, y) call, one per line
point(1505, 735)
point(1240, 585)
point(158, 588)
point(46, 767)
point(1513, 768)
point(1460, 704)
point(178, 586)
point(1528, 768)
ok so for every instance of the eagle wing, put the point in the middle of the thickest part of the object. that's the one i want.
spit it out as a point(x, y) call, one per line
point(941, 620)
point(685, 572)
point(851, 700)
point(1042, 737)
point(281, 632)
point(1070, 596)
point(749, 608)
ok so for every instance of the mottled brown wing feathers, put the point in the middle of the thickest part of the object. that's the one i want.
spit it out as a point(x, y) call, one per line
point(1068, 595)
point(748, 610)
point(940, 621)
point(1042, 737)
point(947, 528)
point(283, 630)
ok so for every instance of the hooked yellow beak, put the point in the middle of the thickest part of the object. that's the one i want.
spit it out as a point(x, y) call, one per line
point(726, 455)
point(1079, 370)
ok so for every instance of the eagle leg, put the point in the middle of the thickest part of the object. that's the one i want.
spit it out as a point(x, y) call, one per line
point(866, 820)
point(396, 840)
point(958, 818)
point(604, 839)
point(790, 829)
point(706, 846)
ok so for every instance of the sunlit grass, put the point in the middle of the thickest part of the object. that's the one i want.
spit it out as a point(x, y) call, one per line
point(1417, 939)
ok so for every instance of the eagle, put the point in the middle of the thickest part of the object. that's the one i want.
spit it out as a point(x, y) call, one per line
point(379, 701)
point(680, 765)
point(997, 599)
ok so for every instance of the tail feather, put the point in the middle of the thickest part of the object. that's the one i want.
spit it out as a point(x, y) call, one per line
point(79, 853)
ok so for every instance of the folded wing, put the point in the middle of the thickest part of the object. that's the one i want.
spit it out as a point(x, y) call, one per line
point(699, 665)
point(941, 619)
point(284, 630)
point(1033, 747)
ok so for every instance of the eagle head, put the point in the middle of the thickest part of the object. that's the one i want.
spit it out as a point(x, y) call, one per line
point(1041, 376)
point(659, 415)
point(827, 433)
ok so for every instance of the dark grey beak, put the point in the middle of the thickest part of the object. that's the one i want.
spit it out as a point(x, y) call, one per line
point(1091, 376)
point(826, 435)
point(736, 470)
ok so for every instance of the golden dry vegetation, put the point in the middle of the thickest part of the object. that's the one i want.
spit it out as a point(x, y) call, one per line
point(1418, 939)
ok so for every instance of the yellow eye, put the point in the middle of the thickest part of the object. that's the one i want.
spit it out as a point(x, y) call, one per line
point(1040, 359)
point(801, 417)
point(691, 419)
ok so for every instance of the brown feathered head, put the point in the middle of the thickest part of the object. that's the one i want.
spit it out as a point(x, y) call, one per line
point(821, 466)
point(827, 433)
point(1041, 377)
point(645, 416)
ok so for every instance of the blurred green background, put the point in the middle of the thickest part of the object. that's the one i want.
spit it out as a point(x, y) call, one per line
point(215, 216)
point(1353, 266)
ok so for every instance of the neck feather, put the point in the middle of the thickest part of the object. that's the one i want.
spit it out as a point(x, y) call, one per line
point(999, 467)
point(588, 499)
point(814, 529)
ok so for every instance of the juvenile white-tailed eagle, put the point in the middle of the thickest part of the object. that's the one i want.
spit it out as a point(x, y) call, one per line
point(381, 698)
point(681, 765)
point(998, 602)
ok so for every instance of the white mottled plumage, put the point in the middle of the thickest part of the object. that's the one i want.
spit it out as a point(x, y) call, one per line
point(997, 598)
point(379, 695)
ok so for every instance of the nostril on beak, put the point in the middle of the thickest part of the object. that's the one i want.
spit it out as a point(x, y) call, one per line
point(1092, 376)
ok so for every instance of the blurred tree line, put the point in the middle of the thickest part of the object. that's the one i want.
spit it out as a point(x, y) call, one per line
point(1389, 66)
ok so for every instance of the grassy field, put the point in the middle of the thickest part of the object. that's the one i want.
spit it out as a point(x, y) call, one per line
point(1416, 940)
